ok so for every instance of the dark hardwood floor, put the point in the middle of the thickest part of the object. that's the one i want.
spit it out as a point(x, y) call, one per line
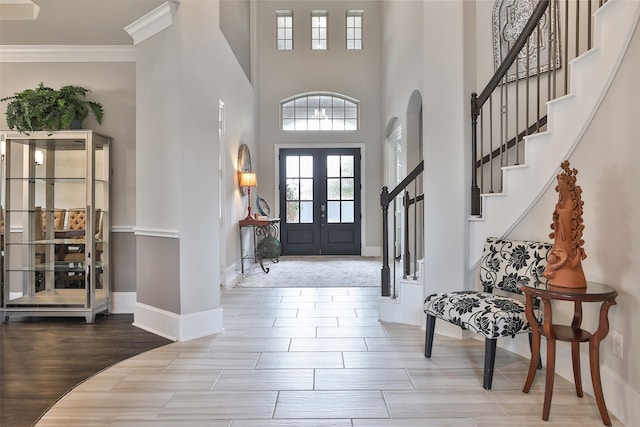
point(43, 358)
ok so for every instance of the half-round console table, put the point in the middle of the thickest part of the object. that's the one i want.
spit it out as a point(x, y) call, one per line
point(594, 292)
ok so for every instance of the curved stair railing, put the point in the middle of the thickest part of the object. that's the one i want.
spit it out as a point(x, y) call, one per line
point(513, 103)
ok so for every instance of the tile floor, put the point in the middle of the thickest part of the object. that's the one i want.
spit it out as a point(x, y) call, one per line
point(315, 357)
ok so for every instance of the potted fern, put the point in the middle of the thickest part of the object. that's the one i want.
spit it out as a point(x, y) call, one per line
point(47, 109)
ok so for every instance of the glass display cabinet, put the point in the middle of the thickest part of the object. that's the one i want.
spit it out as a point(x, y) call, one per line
point(55, 224)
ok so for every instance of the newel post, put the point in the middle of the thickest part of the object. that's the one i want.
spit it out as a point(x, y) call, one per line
point(385, 272)
point(475, 191)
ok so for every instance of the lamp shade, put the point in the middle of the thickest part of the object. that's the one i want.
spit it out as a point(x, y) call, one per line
point(247, 179)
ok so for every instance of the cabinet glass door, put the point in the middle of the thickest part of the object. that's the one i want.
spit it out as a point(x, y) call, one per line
point(55, 201)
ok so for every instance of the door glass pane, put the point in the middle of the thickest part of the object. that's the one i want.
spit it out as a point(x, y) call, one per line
point(306, 189)
point(347, 212)
point(333, 189)
point(347, 166)
point(347, 189)
point(306, 212)
point(292, 167)
point(333, 212)
point(292, 189)
point(293, 213)
point(333, 166)
point(306, 166)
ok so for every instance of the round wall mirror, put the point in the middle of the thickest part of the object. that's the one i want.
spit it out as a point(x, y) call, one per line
point(244, 164)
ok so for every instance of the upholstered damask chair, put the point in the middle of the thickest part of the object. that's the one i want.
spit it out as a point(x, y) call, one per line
point(503, 264)
point(77, 221)
point(58, 219)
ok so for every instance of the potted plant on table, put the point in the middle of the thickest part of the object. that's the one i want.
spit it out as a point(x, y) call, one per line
point(44, 108)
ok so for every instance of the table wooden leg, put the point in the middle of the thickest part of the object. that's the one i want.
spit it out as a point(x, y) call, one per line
point(594, 365)
point(241, 252)
point(551, 370)
point(575, 359)
point(575, 347)
point(535, 343)
point(594, 360)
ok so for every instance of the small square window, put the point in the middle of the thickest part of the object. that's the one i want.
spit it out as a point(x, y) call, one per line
point(354, 30)
point(319, 30)
point(284, 30)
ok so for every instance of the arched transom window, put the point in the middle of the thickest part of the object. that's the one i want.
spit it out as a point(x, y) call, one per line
point(319, 111)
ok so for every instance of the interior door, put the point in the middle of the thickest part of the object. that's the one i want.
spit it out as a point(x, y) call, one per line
point(320, 201)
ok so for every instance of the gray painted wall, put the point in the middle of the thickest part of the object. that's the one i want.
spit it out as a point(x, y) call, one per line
point(112, 84)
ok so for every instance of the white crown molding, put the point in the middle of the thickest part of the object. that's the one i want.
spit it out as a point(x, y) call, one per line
point(153, 22)
point(67, 53)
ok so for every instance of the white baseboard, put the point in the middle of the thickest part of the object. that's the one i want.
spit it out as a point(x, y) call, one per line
point(177, 327)
point(407, 308)
point(375, 251)
point(123, 302)
point(230, 274)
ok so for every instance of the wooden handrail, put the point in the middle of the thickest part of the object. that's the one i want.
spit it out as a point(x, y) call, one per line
point(408, 180)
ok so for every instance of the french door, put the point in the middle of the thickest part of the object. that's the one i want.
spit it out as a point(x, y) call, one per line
point(320, 201)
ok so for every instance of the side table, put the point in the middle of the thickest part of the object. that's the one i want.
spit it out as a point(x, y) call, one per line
point(262, 228)
point(594, 292)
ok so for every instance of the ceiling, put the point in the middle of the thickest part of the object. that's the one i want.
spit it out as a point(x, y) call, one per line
point(77, 22)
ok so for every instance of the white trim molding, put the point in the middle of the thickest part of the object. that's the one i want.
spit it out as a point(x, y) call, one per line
point(153, 22)
point(372, 251)
point(177, 327)
point(67, 53)
point(123, 302)
point(150, 232)
point(122, 228)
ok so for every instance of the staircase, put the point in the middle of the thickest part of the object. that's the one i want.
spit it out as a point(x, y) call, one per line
point(567, 119)
point(522, 185)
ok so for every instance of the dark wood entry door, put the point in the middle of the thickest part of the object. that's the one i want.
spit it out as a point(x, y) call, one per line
point(320, 201)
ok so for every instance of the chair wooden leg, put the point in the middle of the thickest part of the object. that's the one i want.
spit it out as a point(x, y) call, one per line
point(489, 362)
point(428, 339)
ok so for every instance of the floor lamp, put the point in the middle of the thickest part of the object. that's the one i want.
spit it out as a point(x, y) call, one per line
point(248, 179)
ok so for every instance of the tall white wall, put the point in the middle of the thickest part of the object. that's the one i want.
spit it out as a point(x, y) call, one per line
point(437, 58)
point(606, 159)
point(183, 72)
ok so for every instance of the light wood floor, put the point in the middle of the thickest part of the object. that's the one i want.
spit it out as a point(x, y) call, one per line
point(315, 357)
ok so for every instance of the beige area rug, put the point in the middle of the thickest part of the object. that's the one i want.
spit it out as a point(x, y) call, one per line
point(313, 271)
